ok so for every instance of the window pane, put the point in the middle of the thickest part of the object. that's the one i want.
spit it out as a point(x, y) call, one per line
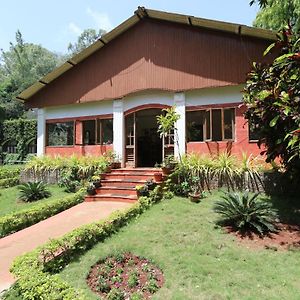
point(208, 131)
point(253, 132)
point(107, 131)
point(60, 134)
point(195, 125)
point(216, 125)
point(89, 132)
point(228, 123)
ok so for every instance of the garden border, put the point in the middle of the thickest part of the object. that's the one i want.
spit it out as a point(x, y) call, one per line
point(19, 220)
point(35, 270)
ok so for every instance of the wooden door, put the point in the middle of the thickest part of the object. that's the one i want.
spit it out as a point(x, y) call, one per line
point(130, 143)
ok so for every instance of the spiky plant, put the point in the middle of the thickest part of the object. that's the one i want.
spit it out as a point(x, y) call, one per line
point(225, 169)
point(246, 213)
point(33, 191)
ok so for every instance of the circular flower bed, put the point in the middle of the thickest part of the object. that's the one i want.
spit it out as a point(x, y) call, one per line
point(125, 276)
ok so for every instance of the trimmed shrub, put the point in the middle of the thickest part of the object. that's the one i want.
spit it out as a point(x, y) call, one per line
point(9, 182)
point(34, 269)
point(27, 217)
point(246, 213)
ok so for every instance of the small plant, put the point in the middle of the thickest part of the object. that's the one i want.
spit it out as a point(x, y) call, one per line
point(136, 296)
point(133, 279)
point(91, 189)
point(33, 191)
point(152, 286)
point(246, 213)
point(96, 180)
point(195, 193)
point(151, 184)
point(69, 181)
point(103, 286)
point(115, 294)
point(116, 279)
point(142, 190)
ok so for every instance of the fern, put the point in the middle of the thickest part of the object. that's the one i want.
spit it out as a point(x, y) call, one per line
point(33, 191)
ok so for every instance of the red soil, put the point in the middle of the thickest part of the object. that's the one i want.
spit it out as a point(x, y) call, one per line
point(287, 238)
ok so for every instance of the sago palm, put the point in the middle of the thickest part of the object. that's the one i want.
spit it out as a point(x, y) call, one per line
point(33, 191)
point(246, 213)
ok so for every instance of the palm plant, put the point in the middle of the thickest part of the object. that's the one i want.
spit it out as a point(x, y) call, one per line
point(33, 191)
point(246, 213)
point(225, 169)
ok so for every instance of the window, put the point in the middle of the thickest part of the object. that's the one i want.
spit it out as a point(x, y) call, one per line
point(89, 132)
point(105, 131)
point(210, 125)
point(253, 132)
point(60, 134)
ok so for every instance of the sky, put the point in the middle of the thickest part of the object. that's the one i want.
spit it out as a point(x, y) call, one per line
point(55, 23)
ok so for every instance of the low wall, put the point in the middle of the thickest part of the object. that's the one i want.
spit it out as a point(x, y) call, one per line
point(48, 177)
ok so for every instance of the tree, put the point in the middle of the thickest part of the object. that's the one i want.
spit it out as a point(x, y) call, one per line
point(20, 66)
point(276, 14)
point(87, 37)
point(272, 98)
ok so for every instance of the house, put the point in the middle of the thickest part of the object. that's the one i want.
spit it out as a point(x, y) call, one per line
point(108, 96)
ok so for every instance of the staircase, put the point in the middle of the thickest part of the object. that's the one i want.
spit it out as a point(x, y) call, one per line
point(119, 184)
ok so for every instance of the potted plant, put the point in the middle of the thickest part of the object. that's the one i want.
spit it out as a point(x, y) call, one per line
point(91, 190)
point(142, 190)
point(157, 176)
point(96, 180)
point(151, 184)
point(168, 165)
point(195, 195)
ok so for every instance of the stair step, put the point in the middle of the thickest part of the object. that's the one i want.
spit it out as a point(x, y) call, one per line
point(116, 190)
point(121, 182)
point(136, 170)
point(111, 197)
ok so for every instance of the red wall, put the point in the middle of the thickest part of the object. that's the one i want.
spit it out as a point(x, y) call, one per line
point(92, 150)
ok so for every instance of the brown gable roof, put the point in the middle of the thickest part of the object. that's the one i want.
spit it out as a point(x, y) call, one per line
point(140, 13)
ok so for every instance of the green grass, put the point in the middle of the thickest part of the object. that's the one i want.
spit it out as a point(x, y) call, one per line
point(199, 260)
point(9, 202)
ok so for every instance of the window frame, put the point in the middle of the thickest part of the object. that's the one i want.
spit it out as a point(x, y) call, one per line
point(99, 133)
point(249, 139)
point(209, 110)
point(59, 122)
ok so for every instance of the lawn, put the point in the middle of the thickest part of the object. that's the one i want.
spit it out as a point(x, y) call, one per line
point(9, 202)
point(198, 259)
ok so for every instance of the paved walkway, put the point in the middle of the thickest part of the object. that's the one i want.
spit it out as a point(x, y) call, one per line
point(29, 238)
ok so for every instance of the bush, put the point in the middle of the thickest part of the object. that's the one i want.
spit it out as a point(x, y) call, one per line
point(246, 213)
point(9, 171)
point(33, 191)
point(27, 217)
point(33, 269)
point(9, 182)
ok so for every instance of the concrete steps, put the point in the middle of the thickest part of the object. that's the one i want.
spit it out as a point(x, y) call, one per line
point(119, 185)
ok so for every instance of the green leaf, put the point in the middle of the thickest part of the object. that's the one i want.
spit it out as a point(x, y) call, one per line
point(274, 121)
point(264, 94)
point(269, 49)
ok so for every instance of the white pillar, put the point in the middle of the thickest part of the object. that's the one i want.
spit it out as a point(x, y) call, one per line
point(118, 130)
point(41, 131)
point(179, 102)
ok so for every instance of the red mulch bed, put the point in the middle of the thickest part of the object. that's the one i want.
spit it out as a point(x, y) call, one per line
point(287, 238)
point(114, 272)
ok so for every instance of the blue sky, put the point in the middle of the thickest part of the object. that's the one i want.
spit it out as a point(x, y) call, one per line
point(55, 23)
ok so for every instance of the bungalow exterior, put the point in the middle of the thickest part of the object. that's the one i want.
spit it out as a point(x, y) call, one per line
point(108, 96)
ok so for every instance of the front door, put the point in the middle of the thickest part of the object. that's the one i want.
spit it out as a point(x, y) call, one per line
point(144, 147)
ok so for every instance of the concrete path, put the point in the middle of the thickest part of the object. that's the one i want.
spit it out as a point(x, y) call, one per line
point(29, 238)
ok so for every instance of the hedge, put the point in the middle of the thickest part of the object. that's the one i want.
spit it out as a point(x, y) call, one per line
point(9, 182)
point(9, 172)
point(27, 217)
point(34, 270)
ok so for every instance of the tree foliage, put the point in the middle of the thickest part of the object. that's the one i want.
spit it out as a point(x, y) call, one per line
point(20, 66)
point(278, 13)
point(87, 37)
point(272, 97)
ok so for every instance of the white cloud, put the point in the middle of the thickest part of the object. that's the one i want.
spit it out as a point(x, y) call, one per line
point(74, 28)
point(101, 20)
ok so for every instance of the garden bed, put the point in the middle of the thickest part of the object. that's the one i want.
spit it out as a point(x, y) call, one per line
point(129, 274)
